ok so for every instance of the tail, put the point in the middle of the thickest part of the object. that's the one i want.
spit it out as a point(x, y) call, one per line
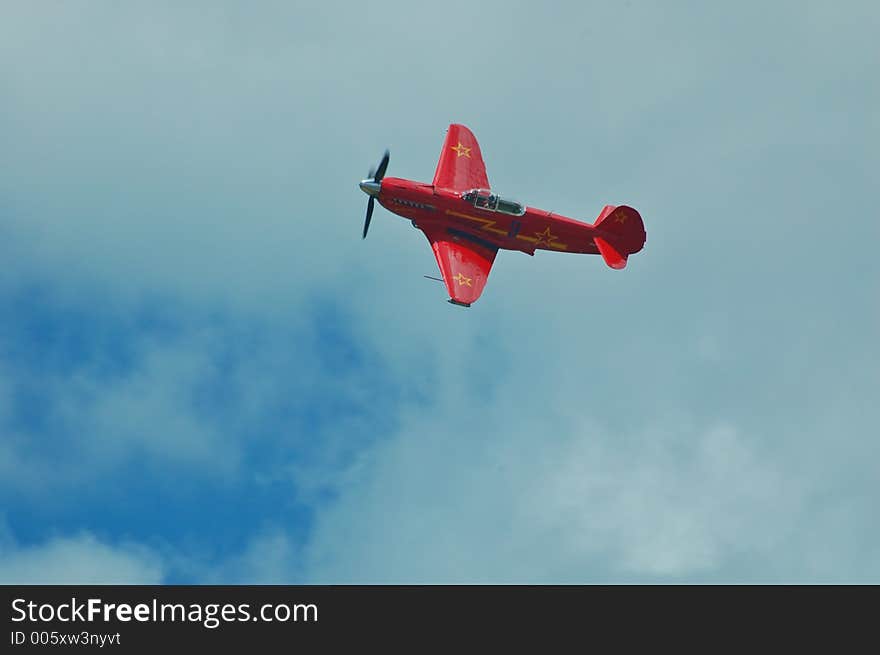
point(620, 232)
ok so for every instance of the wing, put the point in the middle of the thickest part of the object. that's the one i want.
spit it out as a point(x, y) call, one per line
point(465, 264)
point(461, 164)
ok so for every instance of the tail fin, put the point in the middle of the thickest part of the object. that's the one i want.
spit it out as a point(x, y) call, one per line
point(620, 232)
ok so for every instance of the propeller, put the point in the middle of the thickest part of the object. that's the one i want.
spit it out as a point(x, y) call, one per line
point(371, 186)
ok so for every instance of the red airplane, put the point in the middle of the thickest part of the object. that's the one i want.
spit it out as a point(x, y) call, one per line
point(467, 224)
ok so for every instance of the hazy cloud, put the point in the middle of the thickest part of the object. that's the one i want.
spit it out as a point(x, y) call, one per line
point(80, 559)
point(189, 312)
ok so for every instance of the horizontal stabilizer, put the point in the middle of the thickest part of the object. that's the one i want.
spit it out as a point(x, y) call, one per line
point(613, 258)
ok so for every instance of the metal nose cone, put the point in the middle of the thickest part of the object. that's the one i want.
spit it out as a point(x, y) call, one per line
point(370, 187)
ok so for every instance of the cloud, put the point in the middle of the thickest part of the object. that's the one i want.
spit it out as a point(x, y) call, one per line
point(513, 501)
point(179, 204)
point(270, 558)
point(79, 559)
point(174, 393)
point(82, 422)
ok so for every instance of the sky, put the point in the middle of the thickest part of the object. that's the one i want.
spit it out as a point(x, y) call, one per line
point(207, 376)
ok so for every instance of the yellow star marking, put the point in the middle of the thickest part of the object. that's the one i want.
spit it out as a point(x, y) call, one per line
point(544, 237)
point(621, 218)
point(537, 242)
point(462, 280)
point(462, 150)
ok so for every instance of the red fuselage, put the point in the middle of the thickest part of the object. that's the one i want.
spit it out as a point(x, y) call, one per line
point(534, 229)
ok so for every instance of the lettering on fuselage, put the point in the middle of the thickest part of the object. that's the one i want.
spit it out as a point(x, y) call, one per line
point(414, 205)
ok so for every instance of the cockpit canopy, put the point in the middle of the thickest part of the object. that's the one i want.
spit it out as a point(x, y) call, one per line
point(488, 201)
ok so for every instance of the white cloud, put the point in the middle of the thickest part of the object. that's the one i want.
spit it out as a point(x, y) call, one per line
point(673, 503)
point(80, 559)
point(153, 409)
point(90, 421)
point(504, 501)
point(270, 558)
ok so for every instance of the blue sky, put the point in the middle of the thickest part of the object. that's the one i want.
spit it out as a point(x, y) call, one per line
point(207, 376)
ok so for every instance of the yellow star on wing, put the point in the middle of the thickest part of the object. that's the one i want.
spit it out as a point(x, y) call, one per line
point(462, 280)
point(462, 150)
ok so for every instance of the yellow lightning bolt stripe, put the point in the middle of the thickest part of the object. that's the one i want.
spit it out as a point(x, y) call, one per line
point(485, 222)
point(489, 227)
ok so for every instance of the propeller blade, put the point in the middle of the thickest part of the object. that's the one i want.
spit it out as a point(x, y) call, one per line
point(382, 166)
point(369, 216)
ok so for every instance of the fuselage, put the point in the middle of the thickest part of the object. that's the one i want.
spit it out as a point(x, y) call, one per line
point(484, 217)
